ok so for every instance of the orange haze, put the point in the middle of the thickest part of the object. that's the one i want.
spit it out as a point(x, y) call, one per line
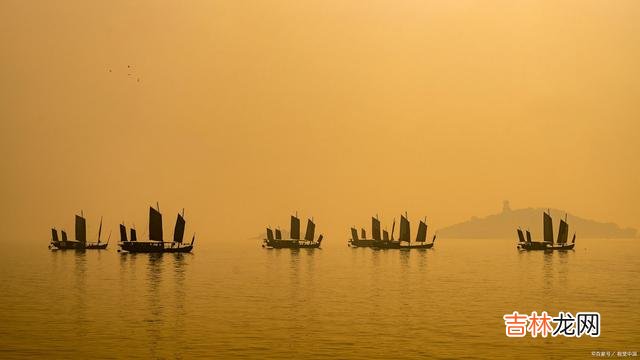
point(243, 112)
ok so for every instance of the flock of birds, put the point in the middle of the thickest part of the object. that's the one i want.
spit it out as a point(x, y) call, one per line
point(130, 72)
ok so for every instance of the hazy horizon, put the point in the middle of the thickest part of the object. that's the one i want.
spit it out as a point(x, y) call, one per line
point(245, 113)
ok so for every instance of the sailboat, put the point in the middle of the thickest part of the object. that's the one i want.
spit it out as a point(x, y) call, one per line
point(548, 243)
point(356, 241)
point(98, 245)
point(404, 240)
point(527, 244)
point(80, 242)
point(64, 243)
point(156, 243)
point(294, 242)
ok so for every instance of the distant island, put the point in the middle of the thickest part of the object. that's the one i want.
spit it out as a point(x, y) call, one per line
point(505, 223)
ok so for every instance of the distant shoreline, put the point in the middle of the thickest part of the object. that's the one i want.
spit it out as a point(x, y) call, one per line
point(505, 223)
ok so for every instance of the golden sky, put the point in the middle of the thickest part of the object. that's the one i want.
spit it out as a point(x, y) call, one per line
point(246, 111)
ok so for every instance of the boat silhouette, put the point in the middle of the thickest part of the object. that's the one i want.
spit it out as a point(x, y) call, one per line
point(548, 244)
point(80, 241)
point(386, 242)
point(376, 237)
point(156, 243)
point(295, 242)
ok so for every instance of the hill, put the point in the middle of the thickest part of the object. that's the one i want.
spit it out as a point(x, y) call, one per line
point(505, 223)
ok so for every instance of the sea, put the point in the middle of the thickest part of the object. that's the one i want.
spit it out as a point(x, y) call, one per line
point(237, 300)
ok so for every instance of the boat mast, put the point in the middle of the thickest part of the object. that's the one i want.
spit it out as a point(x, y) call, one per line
point(178, 231)
point(311, 230)
point(81, 228)
point(375, 228)
point(123, 233)
point(421, 236)
point(295, 227)
point(100, 230)
point(406, 215)
point(548, 227)
point(155, 225)
point(405, 233)
point(54, 235)
point(563, 231)
point(354, 234)
point(393, 228)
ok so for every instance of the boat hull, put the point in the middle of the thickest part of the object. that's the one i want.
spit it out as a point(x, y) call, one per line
point(66, 245)
point(544, 246)
point(154, 247)
point(387, 245)
point(291, 244)
point(181, 249)
point(96, 246)
point(564, 247)
point(418, 246)
point(398, 245)
point(362, 243)
point(76, 245)
point(533, 245)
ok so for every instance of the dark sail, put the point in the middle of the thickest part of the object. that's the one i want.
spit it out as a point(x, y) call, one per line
point(520, 236)
point(278, 234)
point(123, 233)
point(405, 231)
point(54, 235)
point(311, 231)
point(155, 225)
point(563, 232)
point(421, 236)
point(269, 234)
point(134, 237)
point(375, 228)
point(100, 229)
point(295, 228)
point(385, 235)
point(402, 230)
point(178, 232)
point(81, 229)
point(393, 228)
point(64, 235)
point(363, 233)
point(548, 228)
point(354, 234)
point(528, 236)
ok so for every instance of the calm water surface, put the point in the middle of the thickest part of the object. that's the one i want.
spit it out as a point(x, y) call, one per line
point(337, 302)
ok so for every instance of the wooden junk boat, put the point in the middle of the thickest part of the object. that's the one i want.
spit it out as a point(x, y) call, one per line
point(277, 242)
point(376, 236)
point(386, 242)
point(156, 243)
point(547, 243)
point(80, 242)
